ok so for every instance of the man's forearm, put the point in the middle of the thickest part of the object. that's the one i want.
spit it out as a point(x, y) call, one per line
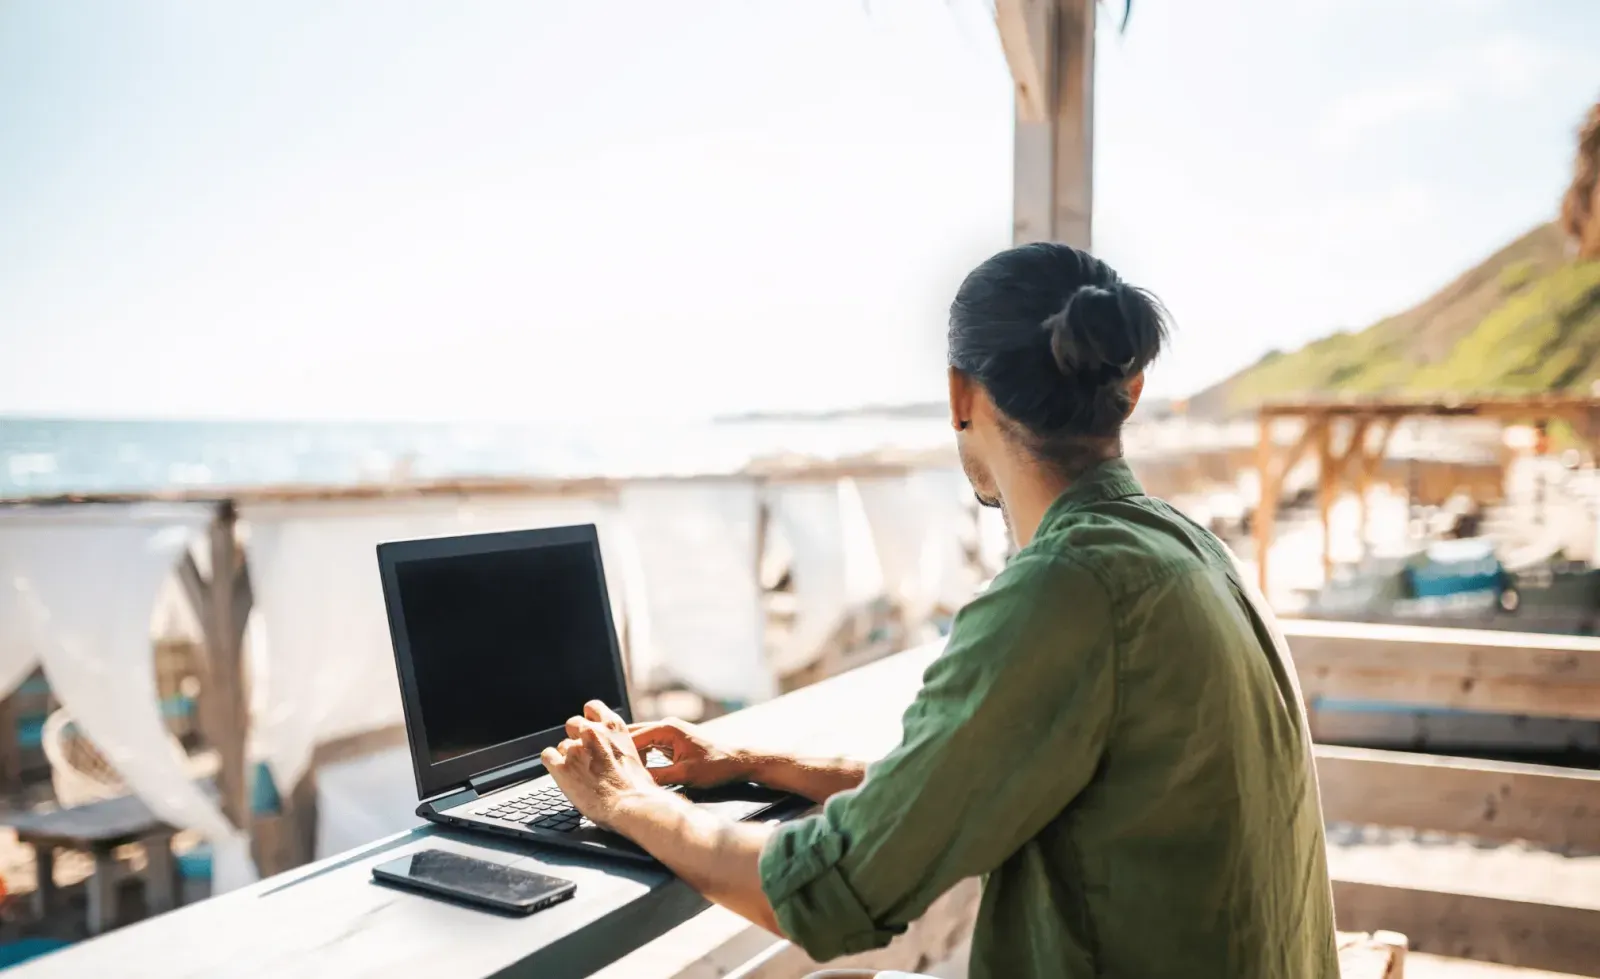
point(814, 778)
point(718, 858)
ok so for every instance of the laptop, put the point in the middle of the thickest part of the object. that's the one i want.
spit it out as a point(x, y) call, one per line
point(498, 640)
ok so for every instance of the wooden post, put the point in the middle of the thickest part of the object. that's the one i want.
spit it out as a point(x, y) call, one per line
point(1052, 171)
point(1327, 488)
point(223, 607)
point(1356, 449)
point(1267, 508)
point(1272, 469)
point(10, 747)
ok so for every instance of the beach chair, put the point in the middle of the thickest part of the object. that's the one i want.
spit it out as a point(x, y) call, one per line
point(80, 774)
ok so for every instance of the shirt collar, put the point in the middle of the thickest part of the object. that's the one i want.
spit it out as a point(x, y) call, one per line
point(1110, 480)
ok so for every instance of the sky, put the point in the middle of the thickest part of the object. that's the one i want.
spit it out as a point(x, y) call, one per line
point(519, 211)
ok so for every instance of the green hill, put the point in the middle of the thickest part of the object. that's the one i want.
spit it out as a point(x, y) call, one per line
point(1525, 319)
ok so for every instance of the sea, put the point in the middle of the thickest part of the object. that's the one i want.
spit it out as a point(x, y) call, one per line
point(41, 457)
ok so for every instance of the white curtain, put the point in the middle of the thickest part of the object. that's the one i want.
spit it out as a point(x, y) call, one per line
point(364, 799)
point(696, 542)
point(85, 581)
point(834, 567)
point(19, 640)
point(324, 636)
point(919, 523)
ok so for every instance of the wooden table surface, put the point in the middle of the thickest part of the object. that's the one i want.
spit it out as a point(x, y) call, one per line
point(330, 920)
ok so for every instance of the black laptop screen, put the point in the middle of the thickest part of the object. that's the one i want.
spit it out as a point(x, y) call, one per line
point(505, 644)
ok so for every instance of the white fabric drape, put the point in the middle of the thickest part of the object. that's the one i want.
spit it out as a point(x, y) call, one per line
point(364, 799)
point(918, 524)
point(324, 637)
point(834, 566)
point(88, 579)
point(19, 641)
point(696, 542)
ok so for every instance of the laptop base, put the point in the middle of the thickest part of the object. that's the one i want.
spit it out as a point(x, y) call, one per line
point(738, 802)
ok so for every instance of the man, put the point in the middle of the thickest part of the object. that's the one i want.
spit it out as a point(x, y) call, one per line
point(1113, 737)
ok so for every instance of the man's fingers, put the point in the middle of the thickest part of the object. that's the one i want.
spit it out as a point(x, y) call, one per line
point(574, 725)
point(552, 758)
point(598, 712)
point(566, 746)
point(654, 733)
point(670, 774)
point(591, 738)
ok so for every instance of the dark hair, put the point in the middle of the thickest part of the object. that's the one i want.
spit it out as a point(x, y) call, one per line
point(1054, 335)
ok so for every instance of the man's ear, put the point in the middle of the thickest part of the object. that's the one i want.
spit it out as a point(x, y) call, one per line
point(960, 398)
point(1135, 389)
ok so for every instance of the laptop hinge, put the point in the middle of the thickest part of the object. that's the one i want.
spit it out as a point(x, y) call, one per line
point(499, 777)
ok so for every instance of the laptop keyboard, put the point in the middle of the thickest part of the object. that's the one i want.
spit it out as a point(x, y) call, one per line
point(545, 808)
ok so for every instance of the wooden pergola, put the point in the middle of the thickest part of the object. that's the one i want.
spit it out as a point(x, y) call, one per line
point(1362, 440)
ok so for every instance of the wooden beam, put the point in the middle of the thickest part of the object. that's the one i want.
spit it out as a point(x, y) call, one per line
point(1024, 27)
point(1271, 468)
point(1465, 654)
point(10, 747)
point(1512, 407)
point(1525, 934)
point(1555, 807)
point(1328, 473)
point(1267, 508)
point(1053, 162)
point(225, 700)
point(1532, 698)
point(1463, 669)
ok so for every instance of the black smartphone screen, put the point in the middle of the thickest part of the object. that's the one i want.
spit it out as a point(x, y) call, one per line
point(474, 880)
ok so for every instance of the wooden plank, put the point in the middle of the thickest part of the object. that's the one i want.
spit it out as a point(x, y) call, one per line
point(1464, 669)
point(1519, 933)
point(1023, 29)
point(226, 698)
point(1329, 472)
point(1270, 486)
point(1052, 175)
point(1535, 698)
point(1513, 407)
point(1464, 653)
point(1556, 807)
point(10, 746)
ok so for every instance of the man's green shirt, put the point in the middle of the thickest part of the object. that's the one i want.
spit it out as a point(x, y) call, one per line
point(1113, 738)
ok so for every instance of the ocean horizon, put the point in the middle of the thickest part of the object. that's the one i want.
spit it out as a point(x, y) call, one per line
point(56, 456)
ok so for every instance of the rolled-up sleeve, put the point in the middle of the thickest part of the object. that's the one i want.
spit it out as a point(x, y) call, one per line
point(1008, 728)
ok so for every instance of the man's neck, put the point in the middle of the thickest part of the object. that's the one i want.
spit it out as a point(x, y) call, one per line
point(1026, 495)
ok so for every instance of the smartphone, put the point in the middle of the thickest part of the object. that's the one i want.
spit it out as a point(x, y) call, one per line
point(480, 882)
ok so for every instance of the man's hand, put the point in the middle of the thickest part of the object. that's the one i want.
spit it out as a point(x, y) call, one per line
point(695, 760)
point(598, 766)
